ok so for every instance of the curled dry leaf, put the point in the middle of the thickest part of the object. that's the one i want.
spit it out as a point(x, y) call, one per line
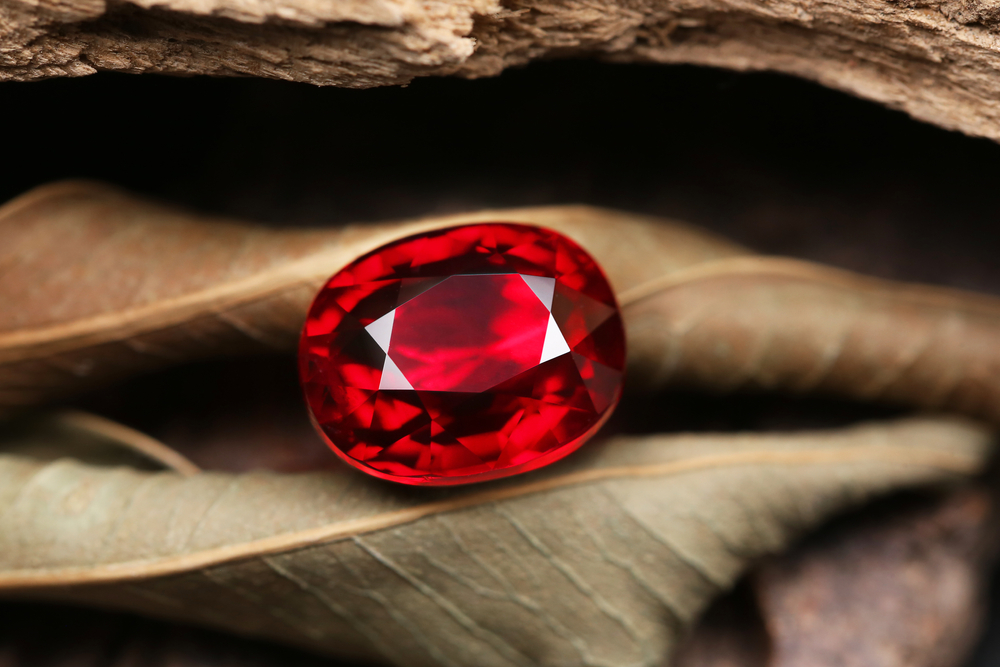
point(944, 542)
point(602, 559)
point(606, 558)
point(88, 438)
point(784, 324)
point(99, 286)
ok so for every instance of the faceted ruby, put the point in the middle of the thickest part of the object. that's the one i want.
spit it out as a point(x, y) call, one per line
point(463, 354)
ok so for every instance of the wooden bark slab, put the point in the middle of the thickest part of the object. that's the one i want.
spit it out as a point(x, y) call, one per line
point(938, 60)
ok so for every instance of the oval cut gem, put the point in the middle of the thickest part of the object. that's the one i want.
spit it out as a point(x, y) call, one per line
point(463, 354)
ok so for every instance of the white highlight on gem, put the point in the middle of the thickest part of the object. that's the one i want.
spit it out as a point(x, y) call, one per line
point(555, 343)
point(392, 377)
point(544, 288)
point(381, 330)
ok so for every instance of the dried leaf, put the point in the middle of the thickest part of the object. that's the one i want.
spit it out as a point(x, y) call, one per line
point(605, 558)
point(783, 324)
point(88, 438)
point(100, 286)
point(940, 541)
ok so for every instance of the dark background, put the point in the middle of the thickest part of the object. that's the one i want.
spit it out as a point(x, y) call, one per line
point(781, 165)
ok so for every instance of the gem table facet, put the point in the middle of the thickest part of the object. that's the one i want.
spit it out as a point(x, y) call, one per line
point(463, 354)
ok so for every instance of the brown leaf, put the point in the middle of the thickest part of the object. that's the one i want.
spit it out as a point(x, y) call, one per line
point(98, 285)
point(101, 286)
point(784, 324)
point(88, 438)
point(607, 557)
point(894, 545)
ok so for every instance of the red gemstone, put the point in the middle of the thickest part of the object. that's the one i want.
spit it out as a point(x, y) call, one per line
point(463, 354)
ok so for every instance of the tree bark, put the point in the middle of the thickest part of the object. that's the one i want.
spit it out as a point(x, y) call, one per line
point(938, 60)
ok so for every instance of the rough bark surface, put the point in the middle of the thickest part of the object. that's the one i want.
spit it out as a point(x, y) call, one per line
point(935, 59)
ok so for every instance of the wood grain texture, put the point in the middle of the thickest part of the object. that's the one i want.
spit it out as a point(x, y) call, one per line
point(935, 59)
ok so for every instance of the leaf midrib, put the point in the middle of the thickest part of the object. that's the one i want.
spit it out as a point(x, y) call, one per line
point(176, 564)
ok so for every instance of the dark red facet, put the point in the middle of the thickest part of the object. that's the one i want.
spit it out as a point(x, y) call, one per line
point(463, 354)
